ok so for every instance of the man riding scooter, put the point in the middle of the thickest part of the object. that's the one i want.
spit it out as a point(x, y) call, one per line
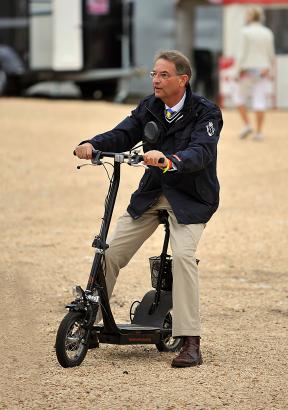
point(185, 185)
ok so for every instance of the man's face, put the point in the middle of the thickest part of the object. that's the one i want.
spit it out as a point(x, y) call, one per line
point(168, 86)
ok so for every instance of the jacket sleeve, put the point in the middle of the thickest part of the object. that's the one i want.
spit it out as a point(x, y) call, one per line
point(202, 148)
point(121, 138)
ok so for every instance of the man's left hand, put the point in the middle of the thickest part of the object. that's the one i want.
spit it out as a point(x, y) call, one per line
point(152, 158)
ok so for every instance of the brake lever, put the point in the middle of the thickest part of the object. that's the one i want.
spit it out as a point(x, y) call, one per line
point(96, 155)
point(92, 165)
point(139, 165)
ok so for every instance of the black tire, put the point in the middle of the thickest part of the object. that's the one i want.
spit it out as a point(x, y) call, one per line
point(106, 88)
point(87, 90)
point(71, 346)
point(109, 89)
point(169, 344)
point(10, 85)
point(3, 82)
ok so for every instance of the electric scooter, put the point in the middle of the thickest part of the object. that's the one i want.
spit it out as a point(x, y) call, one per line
point(151, 318)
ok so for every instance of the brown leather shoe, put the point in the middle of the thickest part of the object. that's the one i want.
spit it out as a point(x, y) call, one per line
point(190, 354)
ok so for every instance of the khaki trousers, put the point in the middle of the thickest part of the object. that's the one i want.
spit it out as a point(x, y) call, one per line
point(128, 237)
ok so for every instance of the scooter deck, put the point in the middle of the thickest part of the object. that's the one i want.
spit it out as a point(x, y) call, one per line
point(130, 334)
point(130, 327)
point(134, 327)
point(146, 327)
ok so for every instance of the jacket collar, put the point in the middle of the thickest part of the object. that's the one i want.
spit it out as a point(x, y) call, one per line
point(155, 103)
point(156, 107)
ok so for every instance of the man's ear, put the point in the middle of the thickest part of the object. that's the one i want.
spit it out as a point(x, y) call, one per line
point(183, 80)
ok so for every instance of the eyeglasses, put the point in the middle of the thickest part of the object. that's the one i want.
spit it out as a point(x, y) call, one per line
point(163, 75)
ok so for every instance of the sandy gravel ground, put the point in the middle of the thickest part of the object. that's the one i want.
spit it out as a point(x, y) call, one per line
point(49, 214)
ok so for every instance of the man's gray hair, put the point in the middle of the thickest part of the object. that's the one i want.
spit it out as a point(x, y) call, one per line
point(181, 62)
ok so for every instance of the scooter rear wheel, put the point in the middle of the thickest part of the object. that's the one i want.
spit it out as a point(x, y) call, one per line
point(71, 340)
point(169, 343)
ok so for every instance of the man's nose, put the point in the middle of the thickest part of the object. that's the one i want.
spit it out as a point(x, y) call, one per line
point(156, 80)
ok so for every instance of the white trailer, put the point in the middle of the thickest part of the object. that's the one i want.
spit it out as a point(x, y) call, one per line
point(88, 42)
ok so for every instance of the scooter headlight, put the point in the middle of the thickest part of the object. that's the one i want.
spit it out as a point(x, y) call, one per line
point(77, 291)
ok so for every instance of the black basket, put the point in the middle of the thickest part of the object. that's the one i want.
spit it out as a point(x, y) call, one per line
point(167, 278)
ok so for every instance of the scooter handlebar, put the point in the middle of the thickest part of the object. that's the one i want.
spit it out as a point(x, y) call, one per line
point(134, 156)
point(96, 155)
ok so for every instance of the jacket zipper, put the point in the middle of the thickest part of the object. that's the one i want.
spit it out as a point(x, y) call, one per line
point(157, 118)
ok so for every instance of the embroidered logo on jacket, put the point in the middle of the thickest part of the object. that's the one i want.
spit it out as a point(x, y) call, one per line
point(210, 129)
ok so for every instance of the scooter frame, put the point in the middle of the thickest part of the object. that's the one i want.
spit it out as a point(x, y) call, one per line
point(151, 322)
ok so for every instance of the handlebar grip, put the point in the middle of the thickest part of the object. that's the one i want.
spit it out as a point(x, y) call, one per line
point(160, 160)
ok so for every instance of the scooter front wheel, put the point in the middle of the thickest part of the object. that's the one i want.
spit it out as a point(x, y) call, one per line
point(71, 340)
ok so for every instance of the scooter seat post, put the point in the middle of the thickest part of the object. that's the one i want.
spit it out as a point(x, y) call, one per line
point(163, 217)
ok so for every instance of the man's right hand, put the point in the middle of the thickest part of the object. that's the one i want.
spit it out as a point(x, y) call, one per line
point(84, 151)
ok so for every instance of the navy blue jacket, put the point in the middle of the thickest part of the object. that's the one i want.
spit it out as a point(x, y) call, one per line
point(192, 190)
